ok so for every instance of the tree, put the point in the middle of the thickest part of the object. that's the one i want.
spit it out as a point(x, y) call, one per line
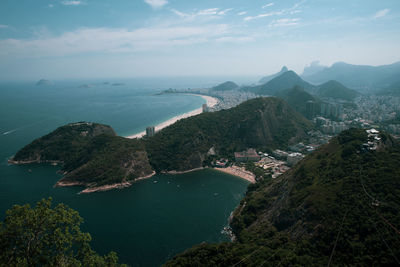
point(46, 236)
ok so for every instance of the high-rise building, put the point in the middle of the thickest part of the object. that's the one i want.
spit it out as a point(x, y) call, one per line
point(205, 108)
point(150, 131)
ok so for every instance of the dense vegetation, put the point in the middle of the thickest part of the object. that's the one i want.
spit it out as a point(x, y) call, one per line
point(339, 206)
point(262, 123)
point(91, 154)
point(334, 89)
point(47, 236)
point(297, 98)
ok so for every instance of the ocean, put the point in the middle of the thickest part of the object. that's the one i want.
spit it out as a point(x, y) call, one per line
point(147, 223)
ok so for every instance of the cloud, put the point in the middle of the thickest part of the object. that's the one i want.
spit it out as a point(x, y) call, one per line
point(284, 22)
point(118, 40)
point(72, 3)
point(2, 26)
point(263, 15)
point(209, 12)
point(268, 5)
point(50, 5)
point(156, 3)
point(242, 13)
point(381, 13)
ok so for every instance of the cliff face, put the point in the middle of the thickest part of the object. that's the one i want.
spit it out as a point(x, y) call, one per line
point(91, 153)
point(339, 205)
point(261, 123)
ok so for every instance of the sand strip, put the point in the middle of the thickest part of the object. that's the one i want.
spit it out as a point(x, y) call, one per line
point(239, 172)
point(211, 102)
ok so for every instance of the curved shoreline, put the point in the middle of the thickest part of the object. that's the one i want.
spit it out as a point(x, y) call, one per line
point(211, 102)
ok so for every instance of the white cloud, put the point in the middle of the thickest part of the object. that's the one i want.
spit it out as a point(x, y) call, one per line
point(209, 12)
point(2, 26)
point(381, 13)
point(268, 5)
point(72, 3)
point(156, 3)
point(242, 13)
point(284, 22)
point(107, 40)
point(50, 5)
point(263, 15)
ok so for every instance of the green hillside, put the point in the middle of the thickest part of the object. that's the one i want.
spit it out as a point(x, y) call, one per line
point(258, 123)
point(270, 77)
point(90, 154)
point(297, 98)
point(334, 89)
point(339, 206)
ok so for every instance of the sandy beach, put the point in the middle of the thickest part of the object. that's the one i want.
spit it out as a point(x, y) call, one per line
point(239, 172)
point(211, 102)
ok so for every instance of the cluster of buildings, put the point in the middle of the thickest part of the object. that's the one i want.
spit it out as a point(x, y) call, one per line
point(328, 126)
point(373, 140)
point(325, 109)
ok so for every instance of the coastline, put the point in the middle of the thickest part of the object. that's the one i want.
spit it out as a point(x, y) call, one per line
point(238, 172)
point(103, 187)
point(211, 102)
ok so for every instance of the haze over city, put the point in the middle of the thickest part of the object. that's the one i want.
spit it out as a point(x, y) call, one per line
point(60, 39)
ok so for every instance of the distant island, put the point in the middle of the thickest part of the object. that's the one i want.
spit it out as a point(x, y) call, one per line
point(43, 82)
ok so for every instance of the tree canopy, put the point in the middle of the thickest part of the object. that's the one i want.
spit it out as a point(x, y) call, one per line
point(47, 236)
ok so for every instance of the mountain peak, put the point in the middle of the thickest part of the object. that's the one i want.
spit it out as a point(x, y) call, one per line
point(284, 69)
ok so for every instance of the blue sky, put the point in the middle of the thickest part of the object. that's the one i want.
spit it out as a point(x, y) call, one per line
point(61, 39)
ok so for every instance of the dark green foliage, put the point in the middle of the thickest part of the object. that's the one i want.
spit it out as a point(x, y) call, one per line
point(297, 98)
point(46, 236)
point(334, 89)
point(91, 154)
point(261, 123)
point(226, 86)
point(297, 216)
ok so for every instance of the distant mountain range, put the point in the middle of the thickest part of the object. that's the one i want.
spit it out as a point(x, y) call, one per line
point(280, 85)
point(363, 78)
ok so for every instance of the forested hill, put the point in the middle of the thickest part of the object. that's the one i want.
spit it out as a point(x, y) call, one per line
point(340, 206)
point(90, 153)
point(263, 123)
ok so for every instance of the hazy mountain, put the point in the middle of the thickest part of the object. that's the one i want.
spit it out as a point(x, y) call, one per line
point(226, 86)
point(287, 80)
point(270, 77)
point(339, 206)
point(297, 98)
point(359, 77)
point(313, 68)
point(393, 89)
point(334, 89)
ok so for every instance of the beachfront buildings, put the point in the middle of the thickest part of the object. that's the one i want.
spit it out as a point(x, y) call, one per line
point(248, 155)
point(150, 131)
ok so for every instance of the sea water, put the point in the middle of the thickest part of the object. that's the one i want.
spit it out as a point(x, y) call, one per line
point(147, 223)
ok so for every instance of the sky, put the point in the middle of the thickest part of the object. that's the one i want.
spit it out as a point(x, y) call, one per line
point(76, 39)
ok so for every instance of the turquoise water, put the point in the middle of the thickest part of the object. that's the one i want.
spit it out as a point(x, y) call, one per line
point(145, 224)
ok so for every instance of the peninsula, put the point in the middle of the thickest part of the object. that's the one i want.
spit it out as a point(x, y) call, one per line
point(93, 156)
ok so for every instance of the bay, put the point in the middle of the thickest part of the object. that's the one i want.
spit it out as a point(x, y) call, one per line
point(145, 224)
